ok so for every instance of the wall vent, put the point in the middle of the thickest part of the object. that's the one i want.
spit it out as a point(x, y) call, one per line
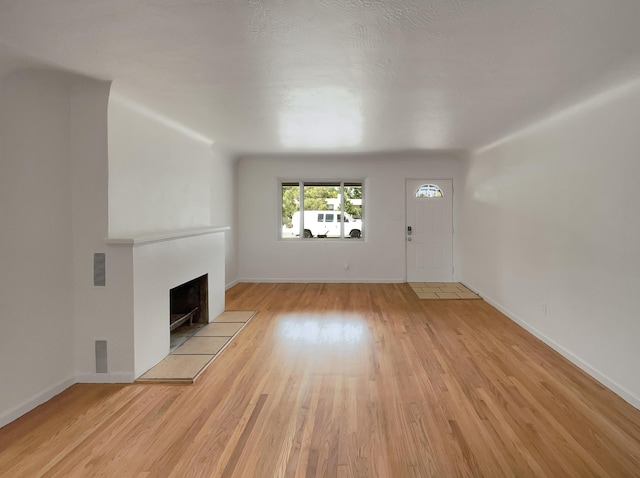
point(99, 269)
point(101, 356)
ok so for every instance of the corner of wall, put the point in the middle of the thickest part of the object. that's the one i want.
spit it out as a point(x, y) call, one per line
point(35, 400)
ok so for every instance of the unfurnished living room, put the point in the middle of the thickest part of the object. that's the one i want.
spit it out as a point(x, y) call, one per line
point(269, 238)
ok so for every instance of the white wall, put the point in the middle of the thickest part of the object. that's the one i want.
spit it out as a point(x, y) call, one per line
point(550, 217)
point(36, 255)
point(101, 313)
point(380, 257)
point(158, 174)
point(224, 206)
point(164, 177)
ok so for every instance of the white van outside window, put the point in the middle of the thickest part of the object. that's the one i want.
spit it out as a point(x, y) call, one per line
point(326, 224)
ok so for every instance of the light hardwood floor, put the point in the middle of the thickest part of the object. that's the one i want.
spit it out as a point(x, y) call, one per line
point(344, 380)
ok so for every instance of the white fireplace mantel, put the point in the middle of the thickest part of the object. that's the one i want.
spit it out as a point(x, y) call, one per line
point(163, 236)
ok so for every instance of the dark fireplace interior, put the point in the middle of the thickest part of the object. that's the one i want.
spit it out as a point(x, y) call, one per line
point(189, 306)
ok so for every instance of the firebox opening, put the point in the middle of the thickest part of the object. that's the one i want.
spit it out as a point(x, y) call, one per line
point(188, 309)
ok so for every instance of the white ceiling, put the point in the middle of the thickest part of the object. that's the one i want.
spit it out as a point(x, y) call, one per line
point(268, 76)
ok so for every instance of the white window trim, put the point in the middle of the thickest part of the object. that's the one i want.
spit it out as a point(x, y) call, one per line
point(301, 183)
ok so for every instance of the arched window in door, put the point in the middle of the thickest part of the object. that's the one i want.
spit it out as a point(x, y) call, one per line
point(429, 191)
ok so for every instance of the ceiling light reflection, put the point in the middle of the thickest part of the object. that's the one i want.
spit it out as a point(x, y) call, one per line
point(317, 118)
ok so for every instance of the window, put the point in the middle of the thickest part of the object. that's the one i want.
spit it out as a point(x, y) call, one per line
point(429, 191)
point(321, 210)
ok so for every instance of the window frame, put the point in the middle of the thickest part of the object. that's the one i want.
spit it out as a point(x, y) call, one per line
point(430, 187)
point(341, 183)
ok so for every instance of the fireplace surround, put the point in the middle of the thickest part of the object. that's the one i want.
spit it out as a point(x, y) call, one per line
point(155, 264)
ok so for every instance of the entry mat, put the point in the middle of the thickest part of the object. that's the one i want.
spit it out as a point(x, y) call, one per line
point(189, 360)
point(442, 290)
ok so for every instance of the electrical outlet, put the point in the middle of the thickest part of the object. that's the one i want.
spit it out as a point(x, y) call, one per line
point(544, 309)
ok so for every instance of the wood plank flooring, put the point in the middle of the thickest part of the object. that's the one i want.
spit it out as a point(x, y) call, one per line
point(344, 380)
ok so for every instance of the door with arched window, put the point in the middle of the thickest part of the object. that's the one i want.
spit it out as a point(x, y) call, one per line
point(429, 230)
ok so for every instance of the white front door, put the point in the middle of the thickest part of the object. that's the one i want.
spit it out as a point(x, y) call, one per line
point(429, 230)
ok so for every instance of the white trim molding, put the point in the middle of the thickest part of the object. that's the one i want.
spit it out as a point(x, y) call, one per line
point(163, 236)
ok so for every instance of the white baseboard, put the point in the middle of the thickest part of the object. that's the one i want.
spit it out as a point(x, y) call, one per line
point(231, 284)
point(594, 372)
point(113, 377)
point(35, 400)
point(346, 280)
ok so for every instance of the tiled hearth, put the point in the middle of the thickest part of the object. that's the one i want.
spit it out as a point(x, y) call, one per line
point(182, 333)
point(205, 342)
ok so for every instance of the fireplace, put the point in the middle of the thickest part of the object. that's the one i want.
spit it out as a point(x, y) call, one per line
point(144, 270)
point(189, 305)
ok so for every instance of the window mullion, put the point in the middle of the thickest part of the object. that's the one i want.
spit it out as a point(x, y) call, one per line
point(341, 210)
point(301, 199)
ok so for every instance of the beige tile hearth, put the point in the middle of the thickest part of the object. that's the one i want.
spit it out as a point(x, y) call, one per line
point(235, 316)
point(190, 359)
point(201, 346)
point(220, 329)
point(177, 368)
